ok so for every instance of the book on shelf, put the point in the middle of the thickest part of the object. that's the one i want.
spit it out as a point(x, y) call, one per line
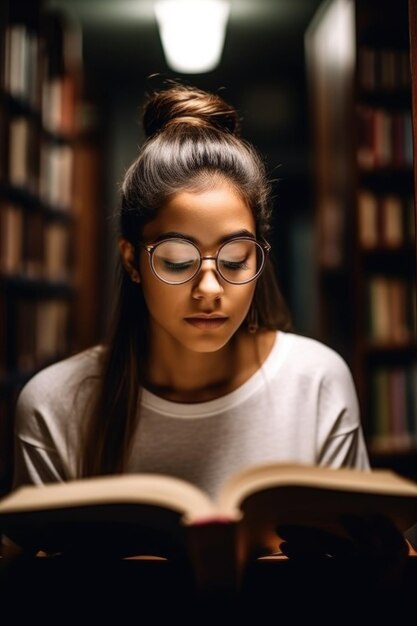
point(150, 514)
point(19, 139)
point(380, 427)
point(22, 63)
point(389, 310)
point(384, 138)
point(393, 228)
point(56, 175)
point(56, 247)
point(400, 434)
point(368, 231)
point(11, 238)
point(41, 331)
point(383, 69)
point(33, 243)
point(393, 408)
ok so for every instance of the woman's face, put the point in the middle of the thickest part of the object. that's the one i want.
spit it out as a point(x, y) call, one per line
point(204, 313)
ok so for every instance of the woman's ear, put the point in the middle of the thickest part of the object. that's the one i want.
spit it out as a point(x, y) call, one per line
point(127, 253)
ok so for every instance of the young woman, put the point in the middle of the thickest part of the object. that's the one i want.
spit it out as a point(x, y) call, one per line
point(201, 375)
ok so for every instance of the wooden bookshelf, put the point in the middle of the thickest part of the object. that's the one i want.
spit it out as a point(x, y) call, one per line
point(47, 207)
point(365, 212)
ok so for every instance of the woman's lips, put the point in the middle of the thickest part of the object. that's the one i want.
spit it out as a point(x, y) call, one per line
point(206, 323)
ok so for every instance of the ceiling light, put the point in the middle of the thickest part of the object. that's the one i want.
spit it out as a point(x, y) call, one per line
point(192, 33)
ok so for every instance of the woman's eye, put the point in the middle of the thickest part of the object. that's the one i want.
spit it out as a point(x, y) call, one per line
point(177, 266)
point(234, 265)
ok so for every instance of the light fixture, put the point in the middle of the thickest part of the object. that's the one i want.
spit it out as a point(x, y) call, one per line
point(192, 33)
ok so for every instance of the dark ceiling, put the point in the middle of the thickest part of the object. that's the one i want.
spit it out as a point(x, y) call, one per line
point(262, 71)
point(120, 37)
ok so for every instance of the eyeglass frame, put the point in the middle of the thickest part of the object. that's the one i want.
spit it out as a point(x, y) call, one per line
point(151, 247)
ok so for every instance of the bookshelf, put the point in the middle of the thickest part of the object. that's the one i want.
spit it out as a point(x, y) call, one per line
point(47, 206)
point(365, 215)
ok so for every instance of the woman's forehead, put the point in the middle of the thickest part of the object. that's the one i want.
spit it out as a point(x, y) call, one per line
point(209, 214)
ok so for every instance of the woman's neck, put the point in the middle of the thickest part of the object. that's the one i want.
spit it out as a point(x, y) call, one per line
point(182, 375)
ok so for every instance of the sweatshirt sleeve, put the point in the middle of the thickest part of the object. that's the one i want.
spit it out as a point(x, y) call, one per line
point(340, 438)
point(49, 415)
point(37, 459)
point(35, 465)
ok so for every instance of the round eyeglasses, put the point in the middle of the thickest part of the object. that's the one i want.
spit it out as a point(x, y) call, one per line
point(238, 261)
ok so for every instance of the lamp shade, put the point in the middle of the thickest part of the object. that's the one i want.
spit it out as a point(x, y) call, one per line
point(192, 33)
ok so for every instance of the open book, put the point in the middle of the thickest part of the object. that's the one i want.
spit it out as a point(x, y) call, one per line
point(149, 514)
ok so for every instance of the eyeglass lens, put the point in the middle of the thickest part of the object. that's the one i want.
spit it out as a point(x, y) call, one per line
point(177, 261)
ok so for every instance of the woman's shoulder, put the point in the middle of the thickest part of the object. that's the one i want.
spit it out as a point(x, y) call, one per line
point(62, 376)
point(313, 355)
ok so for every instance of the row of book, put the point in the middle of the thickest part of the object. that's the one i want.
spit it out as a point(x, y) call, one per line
point(393, 408)
point(27, 77)
point(33, 245)
point(38, 164)
point(41, 332)
point(391, 309)
point(383, 69)
point(385, 220)
point(384, 138)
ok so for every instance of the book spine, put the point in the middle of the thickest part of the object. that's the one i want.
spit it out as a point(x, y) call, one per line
point(216, 570)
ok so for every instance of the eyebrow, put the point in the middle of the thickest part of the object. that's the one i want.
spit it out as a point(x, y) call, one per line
point(175, 235)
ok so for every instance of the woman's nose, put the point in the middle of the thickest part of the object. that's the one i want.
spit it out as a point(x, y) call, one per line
point(207, 283)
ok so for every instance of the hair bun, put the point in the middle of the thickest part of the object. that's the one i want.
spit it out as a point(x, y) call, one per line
point(188, 105)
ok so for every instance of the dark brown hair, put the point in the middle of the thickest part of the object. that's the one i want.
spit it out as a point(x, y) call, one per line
point(193, 141)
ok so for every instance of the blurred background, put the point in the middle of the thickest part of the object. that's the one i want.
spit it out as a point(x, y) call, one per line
point(324, 89)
